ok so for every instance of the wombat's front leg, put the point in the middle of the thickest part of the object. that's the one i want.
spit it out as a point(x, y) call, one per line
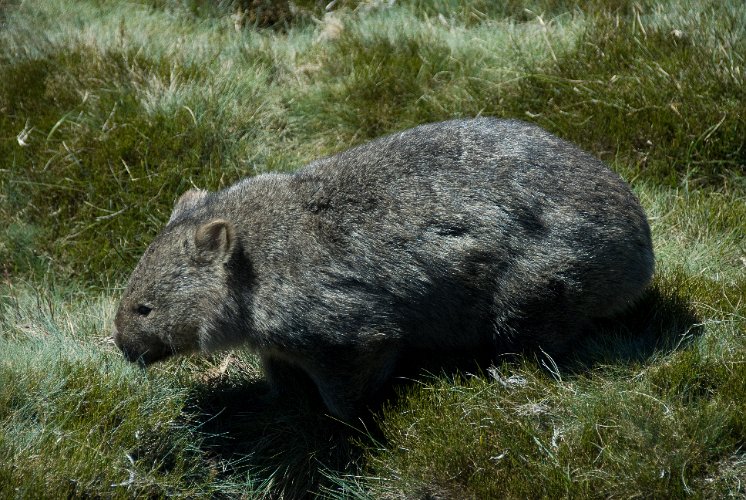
point(346, 383)
point(284, 377)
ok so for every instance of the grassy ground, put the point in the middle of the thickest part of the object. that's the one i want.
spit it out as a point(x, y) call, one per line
point(110, 109)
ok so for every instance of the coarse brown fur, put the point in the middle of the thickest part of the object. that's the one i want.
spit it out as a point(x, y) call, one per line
point(451, 237)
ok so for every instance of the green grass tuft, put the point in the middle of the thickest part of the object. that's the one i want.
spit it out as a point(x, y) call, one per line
point(663, 94)
point(74, 418)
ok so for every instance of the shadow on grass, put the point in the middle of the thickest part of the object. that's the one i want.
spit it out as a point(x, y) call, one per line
point(662, 321)
point(289, 447)
point(279, 447)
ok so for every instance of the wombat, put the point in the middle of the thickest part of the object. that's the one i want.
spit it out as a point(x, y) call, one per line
point(457, 236)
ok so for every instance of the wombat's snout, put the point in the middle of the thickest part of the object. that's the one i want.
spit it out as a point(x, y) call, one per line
point(138, 352)
point(129, 355)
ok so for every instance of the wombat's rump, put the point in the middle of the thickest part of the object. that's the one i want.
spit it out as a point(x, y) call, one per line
point(447, 237)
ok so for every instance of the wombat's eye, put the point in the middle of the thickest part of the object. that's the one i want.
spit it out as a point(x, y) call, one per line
point(143, 310)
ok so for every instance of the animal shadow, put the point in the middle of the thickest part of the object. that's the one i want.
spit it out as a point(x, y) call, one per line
point(663, 320)
point(293, 448)
point(288, 445)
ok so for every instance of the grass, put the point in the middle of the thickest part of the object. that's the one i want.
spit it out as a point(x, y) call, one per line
point(667, 425)
point(61, 432)
point(110, 110)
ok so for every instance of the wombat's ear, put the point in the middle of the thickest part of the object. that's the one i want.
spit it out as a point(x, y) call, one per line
point(215, 241)
point(186, 201)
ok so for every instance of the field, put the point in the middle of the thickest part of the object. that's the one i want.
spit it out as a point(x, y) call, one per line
point(109, 110)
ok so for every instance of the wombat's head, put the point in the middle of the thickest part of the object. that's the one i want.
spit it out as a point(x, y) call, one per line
point(177, 296)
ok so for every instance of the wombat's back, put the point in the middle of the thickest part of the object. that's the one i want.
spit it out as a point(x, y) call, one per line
point(468, 226)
